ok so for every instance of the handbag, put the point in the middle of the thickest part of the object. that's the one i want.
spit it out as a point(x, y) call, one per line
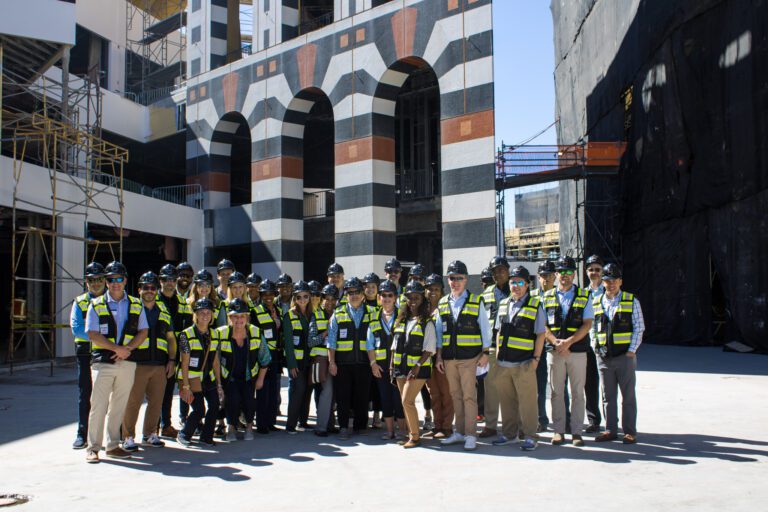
point(318, 370)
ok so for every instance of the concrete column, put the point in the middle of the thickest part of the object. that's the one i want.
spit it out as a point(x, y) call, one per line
point(71, 261)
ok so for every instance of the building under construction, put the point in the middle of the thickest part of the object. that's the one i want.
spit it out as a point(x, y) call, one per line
point(282, 134)
point(683, 83)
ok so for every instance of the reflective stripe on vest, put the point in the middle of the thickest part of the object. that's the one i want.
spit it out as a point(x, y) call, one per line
point(83, 301)
point(626, 304)
point(471, 308)
point(527, 312)
point(580, 301)
point(223, 336)
point(197, 353)
point(410, 360)
point(322, 326)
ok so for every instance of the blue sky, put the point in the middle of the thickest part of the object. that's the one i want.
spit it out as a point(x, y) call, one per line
point(524, 62)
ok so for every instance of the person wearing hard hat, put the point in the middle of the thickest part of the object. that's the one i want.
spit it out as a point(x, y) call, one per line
point(116, 325)
point(463, 343)
point(546, 278)
point(94, 282)
point(569, 318)
point(520, 345)
point(594, 268)
point(617, 333)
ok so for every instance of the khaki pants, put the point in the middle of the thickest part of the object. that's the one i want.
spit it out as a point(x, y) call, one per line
point(150, 381)
point(491, 402)
point(518, 397)
point(462, 380)
point(574, 366)
point(112, 384)
point(409, 390)
point(442, 403)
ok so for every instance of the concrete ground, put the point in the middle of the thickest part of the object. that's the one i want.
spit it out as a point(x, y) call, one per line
point(703, 415)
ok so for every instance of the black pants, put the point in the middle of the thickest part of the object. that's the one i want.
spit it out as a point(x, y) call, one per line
point(391, 404)
point(165, 412)
point(297, 397)
point(199, 410)
point(481, 395)
point(267, 397)
point(352, 385)
point(238, 397)
point(374, 397)
point(426, 398)
point(592, 389)
point(84, 388)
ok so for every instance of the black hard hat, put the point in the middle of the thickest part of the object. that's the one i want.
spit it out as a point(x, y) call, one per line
point(371, 277)
point(353, 283)
point(457, 267)
point(565, 263)
point(334, 268)
point(94, 269)
point(301, 286)
point(204, 303)
point(546, 267)
point(413, 287)
point(330, 289)
point(115, 268)
point(387, 286)
point(203, 276)
point(433, 279)
point(149, 278)
point(315, 288)
point(486, 276)
point(611, 271)
point(284, 279)
point(498, 261)
point(237, 306)
point(594, 260)
point(225, 264)
point(392, 264)
point(268, 286)
point(417, 270)
point(168, 271)
point(236, 277)
point(520, 271)
point(253, 279)
point(184, 266)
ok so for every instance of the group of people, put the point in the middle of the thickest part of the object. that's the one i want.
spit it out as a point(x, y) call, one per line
point(356, 345)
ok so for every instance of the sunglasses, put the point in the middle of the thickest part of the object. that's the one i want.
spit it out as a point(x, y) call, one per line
point(302, 297)
point(456, 278)
point(520, 282)
point(567, 272)
point(111, 280)
point(95, 279)
point(387, 295)
point(354, 292)
point(149, 288)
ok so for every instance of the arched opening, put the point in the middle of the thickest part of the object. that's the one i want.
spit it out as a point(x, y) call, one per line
point(318, 166)
point(417, 168)
point(230, 159)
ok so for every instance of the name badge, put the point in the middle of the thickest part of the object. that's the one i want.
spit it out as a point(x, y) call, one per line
point(378, 342)
point(104, 329)
point(342, 333)
point(551, 316)
point(194, 361)
point(296, 340)
point(268, 333)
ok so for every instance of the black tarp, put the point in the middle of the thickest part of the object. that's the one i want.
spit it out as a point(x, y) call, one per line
point(692, 192)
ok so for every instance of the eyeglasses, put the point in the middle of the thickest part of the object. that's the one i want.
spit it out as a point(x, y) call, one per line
point(567, 272)
point(354, 292)
point(456, 278)
point(302, 297)
point(387, 295)
point(149, 288)
point(112, 280)
point(514, 282)
point(94, 279)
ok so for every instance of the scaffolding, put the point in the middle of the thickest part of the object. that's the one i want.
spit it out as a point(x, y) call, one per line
point(155, 48)
point(525, 165)
point(54, 125)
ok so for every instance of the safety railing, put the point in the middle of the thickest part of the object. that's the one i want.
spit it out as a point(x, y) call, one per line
point(415, 185)
point(184, 195)
point(316, 22)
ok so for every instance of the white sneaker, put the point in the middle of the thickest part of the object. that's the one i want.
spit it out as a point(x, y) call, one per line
point(248, 433)
point(231, 433)
point(154, 441)
point(470, 443)
point(130, 445)
point(454, 438)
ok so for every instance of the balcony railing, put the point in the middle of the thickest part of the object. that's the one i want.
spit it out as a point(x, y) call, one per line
point(317, 22)
point(318, 204)
point(184, 195)
point(415, 185)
